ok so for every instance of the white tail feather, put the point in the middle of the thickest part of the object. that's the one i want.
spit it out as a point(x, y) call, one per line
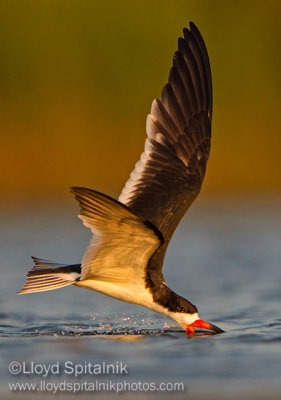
point(46, 275)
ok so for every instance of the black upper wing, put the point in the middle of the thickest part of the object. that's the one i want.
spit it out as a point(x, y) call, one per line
point(169, 175)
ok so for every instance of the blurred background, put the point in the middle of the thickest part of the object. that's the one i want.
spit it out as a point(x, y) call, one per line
point(77, 80)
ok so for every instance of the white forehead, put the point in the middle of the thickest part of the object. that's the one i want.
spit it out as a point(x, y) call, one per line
point(184, 319)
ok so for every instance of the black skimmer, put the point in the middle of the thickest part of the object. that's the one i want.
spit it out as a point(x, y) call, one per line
point(130, 236)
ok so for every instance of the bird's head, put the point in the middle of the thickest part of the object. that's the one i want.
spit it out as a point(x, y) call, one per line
point(186, 315)
point(190, 321)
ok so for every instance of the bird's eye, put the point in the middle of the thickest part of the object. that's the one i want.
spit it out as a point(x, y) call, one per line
point(182, 309)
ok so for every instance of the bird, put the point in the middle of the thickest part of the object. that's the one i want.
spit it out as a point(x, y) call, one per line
point(130, 235)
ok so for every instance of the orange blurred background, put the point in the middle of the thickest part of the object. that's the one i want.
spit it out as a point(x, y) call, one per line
point(78, 78)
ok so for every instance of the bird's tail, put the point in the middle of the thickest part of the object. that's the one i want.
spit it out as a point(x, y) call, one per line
point(46, 275)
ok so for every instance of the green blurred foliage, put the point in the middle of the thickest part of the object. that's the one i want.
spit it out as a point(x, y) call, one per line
point(77, 79)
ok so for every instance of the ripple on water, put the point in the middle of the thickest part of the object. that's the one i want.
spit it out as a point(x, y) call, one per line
point(112, 325)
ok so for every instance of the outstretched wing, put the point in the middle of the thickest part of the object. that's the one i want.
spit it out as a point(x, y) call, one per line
point(170, 172)
point(122, 243)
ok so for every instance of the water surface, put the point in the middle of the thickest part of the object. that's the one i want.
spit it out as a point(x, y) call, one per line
point(225, 258)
